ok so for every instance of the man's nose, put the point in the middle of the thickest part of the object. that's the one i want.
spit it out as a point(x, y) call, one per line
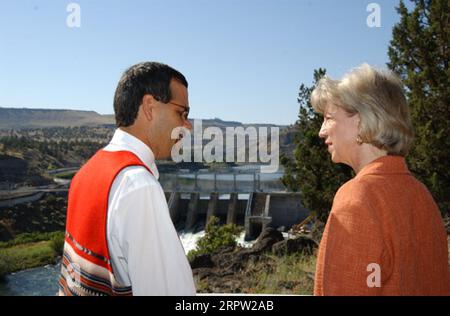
point(188, 125)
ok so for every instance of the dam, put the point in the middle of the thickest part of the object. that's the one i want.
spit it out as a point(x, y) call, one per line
point(243, 197)
point(254, 210)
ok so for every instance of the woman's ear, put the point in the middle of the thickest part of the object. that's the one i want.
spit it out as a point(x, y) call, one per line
point(357, 120)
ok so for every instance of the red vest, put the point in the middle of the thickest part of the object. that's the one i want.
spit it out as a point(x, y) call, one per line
point(86, 265)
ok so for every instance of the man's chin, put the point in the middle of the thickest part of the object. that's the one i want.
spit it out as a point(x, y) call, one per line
point(164, 157)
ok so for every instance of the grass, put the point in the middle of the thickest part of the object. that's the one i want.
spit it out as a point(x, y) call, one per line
point(269, 274)
point(26, 256)
point(289, 275)
point(283, 275)
point(27, 238)
point(20, 255)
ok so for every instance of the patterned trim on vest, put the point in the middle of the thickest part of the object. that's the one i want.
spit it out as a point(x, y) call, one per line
point(85, 250)
point(75, 279)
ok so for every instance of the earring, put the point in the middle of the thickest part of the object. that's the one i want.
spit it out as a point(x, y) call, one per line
point(359, 140)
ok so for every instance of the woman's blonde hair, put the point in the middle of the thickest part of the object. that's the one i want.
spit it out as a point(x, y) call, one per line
point(378, 97)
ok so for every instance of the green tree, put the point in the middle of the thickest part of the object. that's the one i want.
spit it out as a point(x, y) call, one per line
point(311, 171)
point(420, 52)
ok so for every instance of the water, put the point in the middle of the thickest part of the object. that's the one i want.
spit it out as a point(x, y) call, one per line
point(189, 240)
point(61, 181)
point(43, 281)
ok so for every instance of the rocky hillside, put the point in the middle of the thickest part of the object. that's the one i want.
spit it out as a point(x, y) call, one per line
point(34, 141)
point(27, 118)
point(46, 215)
point(273, 265)
point(15, 118)
point(21, 170)
point(27, 157)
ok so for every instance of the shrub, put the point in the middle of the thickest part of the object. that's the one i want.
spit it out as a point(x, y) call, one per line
point(57, 243)
point(4, 265)
point(215, 237)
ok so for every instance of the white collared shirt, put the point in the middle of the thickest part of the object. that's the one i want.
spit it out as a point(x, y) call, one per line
point(144, 246)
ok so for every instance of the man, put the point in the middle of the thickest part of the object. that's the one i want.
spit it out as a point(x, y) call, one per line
point(120, 239)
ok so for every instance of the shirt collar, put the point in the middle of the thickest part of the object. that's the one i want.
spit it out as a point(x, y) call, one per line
point(385, 165)
point(125, 141)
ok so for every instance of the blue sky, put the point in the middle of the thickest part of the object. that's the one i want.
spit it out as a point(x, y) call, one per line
point(244, 59)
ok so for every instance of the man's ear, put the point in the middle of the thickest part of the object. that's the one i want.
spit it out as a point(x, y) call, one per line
point(148, 106)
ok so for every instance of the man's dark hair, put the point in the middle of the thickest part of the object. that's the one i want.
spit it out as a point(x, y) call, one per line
point(141, 79)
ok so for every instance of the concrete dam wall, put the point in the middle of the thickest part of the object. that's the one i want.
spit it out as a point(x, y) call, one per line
point(190, 211)
point(255, 210)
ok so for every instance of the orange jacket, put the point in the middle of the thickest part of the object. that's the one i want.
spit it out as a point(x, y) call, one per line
point(383, 216)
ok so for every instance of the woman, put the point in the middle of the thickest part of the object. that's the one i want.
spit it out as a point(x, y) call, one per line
point(385, 234)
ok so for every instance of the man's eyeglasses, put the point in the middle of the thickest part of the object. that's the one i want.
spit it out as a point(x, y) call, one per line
point(185, 114)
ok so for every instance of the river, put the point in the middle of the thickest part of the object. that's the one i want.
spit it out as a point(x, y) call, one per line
point(43, 281)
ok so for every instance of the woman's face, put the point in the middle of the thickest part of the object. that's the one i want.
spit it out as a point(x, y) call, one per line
point(340, 131)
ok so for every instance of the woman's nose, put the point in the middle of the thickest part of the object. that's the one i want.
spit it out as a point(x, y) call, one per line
point(322, 132)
